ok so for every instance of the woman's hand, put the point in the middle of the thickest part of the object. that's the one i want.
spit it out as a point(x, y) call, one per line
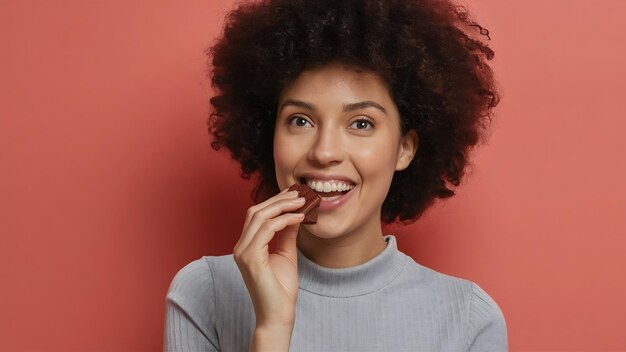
point(271, 279)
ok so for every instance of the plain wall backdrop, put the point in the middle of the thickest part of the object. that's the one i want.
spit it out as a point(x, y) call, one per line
point(108, 184)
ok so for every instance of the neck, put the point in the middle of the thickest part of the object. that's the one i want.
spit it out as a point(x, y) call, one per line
point(341, 252)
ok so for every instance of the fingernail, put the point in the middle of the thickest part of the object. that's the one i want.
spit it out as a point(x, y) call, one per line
point(292, 193)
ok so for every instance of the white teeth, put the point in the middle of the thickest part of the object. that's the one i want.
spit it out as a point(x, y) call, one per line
point(329, 186)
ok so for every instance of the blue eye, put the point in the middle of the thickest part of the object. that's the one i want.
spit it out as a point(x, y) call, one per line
point(299, 121)
point(362, 124)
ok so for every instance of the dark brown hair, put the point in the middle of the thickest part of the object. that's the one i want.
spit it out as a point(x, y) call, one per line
point(432, 56)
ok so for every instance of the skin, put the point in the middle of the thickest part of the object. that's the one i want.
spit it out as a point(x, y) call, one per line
point(319, 130)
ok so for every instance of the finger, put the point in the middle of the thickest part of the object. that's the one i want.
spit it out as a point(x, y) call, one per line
point(284, 194)
point(285, 190)
point(261, 216)
point(269, 228)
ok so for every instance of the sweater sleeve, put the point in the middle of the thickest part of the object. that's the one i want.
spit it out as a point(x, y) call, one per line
point(487, 327)
point(189, 314)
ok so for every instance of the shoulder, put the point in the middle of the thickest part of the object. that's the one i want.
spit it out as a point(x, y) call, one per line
point(195, 276)
point(191, 301)
point(484, 324)
point(199, 275)
point(440, 286)
point(194, 284)
point(486, 330)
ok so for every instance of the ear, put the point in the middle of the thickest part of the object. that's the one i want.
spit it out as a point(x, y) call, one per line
point(407, 149)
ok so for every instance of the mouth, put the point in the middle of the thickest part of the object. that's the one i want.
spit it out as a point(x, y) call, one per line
point(329, 189)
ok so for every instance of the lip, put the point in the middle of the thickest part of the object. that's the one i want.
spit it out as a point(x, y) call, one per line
point(326, 205)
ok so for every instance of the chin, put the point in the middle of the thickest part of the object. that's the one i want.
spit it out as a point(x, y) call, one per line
point(321, 231)
point(326, 230)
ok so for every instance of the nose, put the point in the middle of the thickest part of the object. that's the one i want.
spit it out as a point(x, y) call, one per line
point(327, 148)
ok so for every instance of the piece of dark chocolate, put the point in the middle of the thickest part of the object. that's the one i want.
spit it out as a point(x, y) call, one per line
point(311, 204)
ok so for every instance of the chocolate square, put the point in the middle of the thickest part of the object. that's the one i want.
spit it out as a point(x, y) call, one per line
point(310, 208)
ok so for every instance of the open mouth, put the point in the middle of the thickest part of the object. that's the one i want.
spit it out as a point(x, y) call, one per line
point(328, 189)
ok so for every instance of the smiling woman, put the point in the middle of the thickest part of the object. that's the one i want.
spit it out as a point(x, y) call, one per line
point(377, 119)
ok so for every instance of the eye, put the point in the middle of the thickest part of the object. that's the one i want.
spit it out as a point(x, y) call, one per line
point(362, 124)
point(299, 121)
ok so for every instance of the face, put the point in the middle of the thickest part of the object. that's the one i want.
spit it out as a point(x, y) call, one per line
point(338, 130)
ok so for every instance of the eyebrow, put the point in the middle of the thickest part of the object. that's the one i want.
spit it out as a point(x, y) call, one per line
point(346, 107)
point(298, 103)
point(363, 105)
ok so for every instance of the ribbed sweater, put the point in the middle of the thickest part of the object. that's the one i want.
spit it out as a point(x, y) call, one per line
point(390, 303)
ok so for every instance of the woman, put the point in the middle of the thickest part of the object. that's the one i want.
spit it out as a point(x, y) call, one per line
point(375, 104)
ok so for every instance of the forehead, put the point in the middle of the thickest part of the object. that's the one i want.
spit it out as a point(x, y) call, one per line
point(340, 83)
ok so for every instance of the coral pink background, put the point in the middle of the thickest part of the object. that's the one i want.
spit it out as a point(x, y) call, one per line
point(108, 185)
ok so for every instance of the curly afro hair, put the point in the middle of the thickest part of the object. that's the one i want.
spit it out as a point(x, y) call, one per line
point(432, 56)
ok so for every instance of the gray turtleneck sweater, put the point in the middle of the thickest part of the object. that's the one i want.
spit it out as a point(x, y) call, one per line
point(389, 303)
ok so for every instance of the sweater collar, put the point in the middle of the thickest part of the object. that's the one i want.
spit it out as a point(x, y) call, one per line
point(358, 280)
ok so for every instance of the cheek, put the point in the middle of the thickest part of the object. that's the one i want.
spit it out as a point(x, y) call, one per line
point(376, 163)
point(376, 156)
